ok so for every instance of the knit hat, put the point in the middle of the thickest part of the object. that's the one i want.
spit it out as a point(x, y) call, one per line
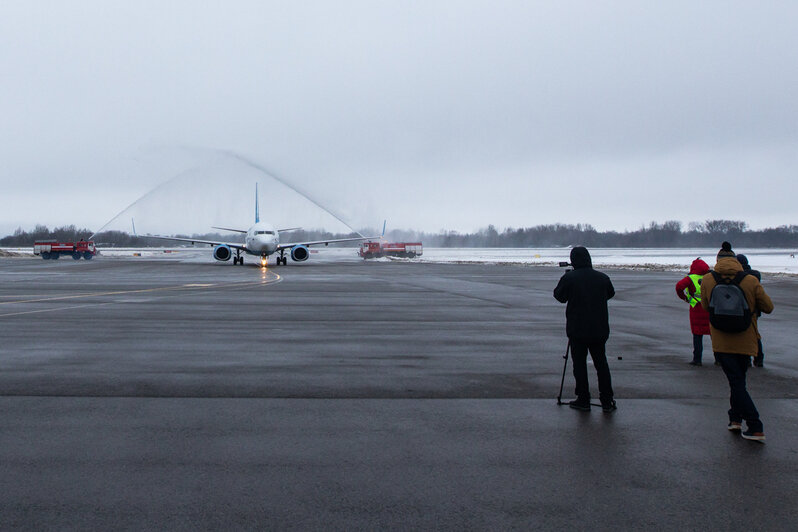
point(743, 260)
point(726, 250)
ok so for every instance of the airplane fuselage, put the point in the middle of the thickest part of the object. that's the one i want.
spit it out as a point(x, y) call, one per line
point(262, 239)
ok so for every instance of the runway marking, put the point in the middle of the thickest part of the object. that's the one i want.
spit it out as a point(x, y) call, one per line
point(48, 274)
point(176, 288)
point(55, 309)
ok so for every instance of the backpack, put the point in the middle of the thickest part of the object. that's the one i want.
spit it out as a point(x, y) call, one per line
point(728, 307)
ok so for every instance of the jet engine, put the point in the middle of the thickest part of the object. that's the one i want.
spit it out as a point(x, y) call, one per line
point(222, 252)
point(299, 253)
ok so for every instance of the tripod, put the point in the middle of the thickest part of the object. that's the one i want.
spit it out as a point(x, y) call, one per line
point(562, 381)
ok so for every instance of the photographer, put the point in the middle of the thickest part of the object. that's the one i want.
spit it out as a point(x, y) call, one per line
point(586, 292)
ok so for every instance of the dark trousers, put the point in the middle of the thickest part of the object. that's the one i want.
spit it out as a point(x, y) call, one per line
point(742, 406)
point(759, 359)
point(698, 347)
point(579, 349)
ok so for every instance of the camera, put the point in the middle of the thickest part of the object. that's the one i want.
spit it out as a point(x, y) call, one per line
point(564, 264)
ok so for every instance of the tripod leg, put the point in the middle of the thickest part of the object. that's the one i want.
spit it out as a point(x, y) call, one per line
point(562, 382)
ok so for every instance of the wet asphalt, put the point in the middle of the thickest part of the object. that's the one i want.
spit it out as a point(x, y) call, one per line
point(138, 393)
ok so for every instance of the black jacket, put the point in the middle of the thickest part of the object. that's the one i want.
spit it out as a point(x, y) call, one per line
point(586, 292)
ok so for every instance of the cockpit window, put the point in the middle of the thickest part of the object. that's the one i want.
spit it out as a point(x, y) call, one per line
point(264, 232)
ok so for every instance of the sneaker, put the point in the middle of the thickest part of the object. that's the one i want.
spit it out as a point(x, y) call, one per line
point(754, 436)
point(578, 404)
point(695, 363)
point(609, 407)
point(735, 426)
point(759, 364)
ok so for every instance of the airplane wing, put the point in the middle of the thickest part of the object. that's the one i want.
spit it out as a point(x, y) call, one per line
point(198, 241)
point(228, 229)
point(325, 242)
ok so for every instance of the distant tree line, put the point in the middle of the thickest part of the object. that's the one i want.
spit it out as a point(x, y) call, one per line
point(656, 235)
point(68, 233)
point(668, 234)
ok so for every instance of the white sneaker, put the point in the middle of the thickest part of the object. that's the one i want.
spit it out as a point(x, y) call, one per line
point(754, 436)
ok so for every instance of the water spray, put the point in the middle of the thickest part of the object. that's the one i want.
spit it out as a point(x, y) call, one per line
point(245, 161)
point(146, 195)
point(295, 188)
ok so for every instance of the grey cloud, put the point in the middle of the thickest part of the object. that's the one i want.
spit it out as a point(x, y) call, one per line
point(473, 113)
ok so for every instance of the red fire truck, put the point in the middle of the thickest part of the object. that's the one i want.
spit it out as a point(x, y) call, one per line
point(373, 250)
point(51, 249)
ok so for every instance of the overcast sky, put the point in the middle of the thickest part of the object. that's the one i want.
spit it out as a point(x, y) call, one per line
point(434, 115)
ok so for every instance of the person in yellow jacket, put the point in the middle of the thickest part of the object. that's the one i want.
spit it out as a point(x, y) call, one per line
point(734, 350)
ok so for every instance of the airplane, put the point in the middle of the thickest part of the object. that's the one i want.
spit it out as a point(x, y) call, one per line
point(262, 240)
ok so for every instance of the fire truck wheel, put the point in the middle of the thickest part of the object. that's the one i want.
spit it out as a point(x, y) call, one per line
point(76, 255)
point(87, 255)
point(45, 255)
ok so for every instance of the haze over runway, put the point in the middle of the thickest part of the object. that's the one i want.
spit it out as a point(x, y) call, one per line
point(435, 115)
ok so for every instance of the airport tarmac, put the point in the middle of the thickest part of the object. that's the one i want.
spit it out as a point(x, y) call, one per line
point(141, 393)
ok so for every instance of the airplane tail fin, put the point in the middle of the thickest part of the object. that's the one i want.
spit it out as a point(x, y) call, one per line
point(257, 212)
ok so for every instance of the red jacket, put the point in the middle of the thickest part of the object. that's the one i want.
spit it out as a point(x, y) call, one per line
point(699, 318)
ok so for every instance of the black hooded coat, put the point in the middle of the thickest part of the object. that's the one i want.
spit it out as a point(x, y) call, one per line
point(586, 292)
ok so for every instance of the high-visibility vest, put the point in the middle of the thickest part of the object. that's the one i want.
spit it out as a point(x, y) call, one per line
point(695, 299)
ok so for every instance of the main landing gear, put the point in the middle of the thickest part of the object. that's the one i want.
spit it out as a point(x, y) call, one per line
point(282, 259)
point(238, 259)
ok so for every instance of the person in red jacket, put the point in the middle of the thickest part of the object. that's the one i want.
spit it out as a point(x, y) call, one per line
point(689, 290)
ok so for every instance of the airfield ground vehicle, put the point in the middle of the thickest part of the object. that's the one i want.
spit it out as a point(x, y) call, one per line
point(52, 249)
point(373, 250)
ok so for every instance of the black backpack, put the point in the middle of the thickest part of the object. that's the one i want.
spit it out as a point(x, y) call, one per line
point(728, 307)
